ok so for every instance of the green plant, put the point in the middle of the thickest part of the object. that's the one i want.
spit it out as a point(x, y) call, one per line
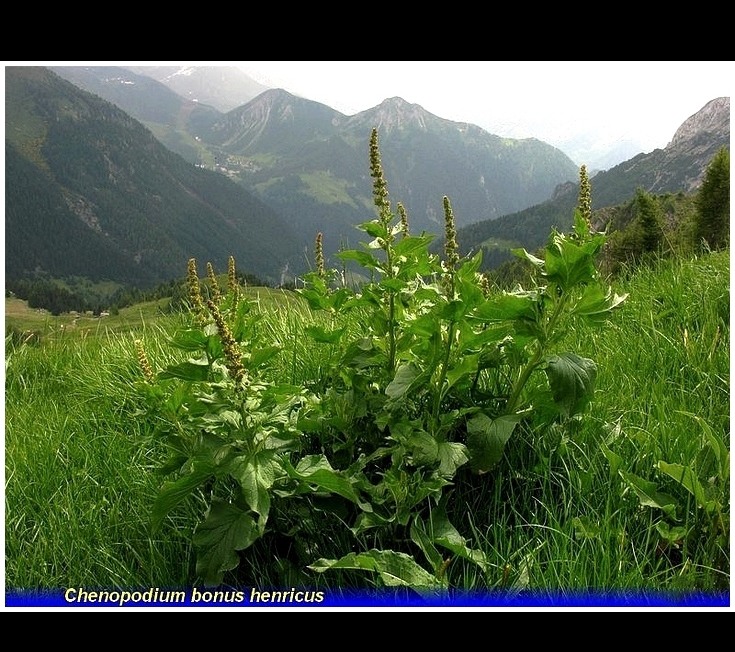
point(430, 373)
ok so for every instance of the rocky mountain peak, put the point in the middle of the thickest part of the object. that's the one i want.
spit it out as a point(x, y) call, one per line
point(396, 113)
point(713, 117)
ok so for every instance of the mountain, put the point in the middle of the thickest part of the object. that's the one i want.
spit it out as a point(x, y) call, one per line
point(222, 87)
point(310, 162)
point(173, 119)
point(90, 191)
point(678, 168)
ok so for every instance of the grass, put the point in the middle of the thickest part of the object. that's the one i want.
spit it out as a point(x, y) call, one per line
point(558, 515)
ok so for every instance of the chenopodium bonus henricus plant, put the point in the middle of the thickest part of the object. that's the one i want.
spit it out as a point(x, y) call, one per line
point(439, 378)
point(233, 439)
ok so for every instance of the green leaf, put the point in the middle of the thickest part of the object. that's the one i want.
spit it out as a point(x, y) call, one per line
point(256, 474)
point(571, 380)
point(394, 568)
point(649, 495)
point(190, 340)
point(319, 334)
point(596, 305)
point(192, 370)
point(225, 530)
point(686, 477)
point(259, 357)
point(507, 306)
point(569, 263)
point(316, 470)
point(363, 258)
point(374, 228)
point(424, 448)
point(443, 533)
point(405, 378)
point(524, 255)
point(486, 439)
point(613, 459)
point(451, 455)
point(175, 492)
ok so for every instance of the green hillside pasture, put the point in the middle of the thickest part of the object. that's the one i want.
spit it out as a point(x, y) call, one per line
point(603, 503)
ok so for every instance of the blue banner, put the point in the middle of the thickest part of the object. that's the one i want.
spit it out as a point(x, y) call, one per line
point(250, 597)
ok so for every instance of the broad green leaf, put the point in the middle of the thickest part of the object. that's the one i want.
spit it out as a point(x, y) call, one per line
point(175, 492)
point(394, 568)
point(424, 448)
point(453, 311)
point(192, 370)
point(673, 535)
point(256, 474)
point(443, 533)
point(319, 334)
point(363, 258)
point(225, 530)
point(374, 228)
point(569, 263)
point(613, 459)
point(486, 439)
point(412, 245)
point(686, 477)
point(649, 495)
point(259, 357)
point(316, 470)
point(524, 255)
point(571, 380)
point(507, 306)
point(465, 366)
point(405, 377)
point(451, 455)
point(190, 340)
point(596, 304)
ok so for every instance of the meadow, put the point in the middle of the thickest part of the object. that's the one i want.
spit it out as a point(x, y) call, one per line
point(424, 434)
point(590, 506)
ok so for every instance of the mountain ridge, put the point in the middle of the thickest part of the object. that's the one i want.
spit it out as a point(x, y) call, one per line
point(101, 166)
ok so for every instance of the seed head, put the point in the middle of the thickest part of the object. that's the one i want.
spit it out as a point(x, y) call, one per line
point(451, 248)
point(143, 362)
point(195, 293)
point(216, 294)
point(404, 219)
point(585, 195)
point(319, 255)
point(233, 357)
point(232, 286)
point(380, 186)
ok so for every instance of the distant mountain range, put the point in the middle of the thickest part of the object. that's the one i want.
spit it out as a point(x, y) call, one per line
point(91, 192)
point(310, 164)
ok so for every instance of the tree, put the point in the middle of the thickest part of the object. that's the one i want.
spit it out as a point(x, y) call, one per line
point(649, 219)
point(712, 218)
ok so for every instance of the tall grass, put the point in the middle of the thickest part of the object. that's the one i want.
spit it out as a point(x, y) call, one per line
point(555, 516)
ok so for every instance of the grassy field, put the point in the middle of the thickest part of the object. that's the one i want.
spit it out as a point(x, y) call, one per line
point(633, 496)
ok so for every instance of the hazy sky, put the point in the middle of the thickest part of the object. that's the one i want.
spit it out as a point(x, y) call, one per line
point(559, 102)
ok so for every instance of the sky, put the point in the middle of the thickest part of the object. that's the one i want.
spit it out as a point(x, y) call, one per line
point(583, 106)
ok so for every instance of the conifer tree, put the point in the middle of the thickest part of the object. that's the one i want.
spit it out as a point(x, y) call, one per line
point(712, 218)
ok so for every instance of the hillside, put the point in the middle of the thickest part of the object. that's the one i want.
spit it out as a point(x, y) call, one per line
point(678, 168)
point(90, 191)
